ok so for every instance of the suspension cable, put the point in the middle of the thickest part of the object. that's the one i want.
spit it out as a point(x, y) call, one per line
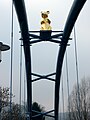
point(11, 68)
point(24, 90)
point(20, 79)
point(68, 86)
point(63, 100)
point(77, 74)
point(60, 103)
point(60, 111)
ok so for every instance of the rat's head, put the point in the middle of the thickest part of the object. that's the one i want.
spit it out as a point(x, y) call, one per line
point(45, 14)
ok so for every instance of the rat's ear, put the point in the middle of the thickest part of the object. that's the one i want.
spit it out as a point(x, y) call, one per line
point(48, 12)
point(41, 12)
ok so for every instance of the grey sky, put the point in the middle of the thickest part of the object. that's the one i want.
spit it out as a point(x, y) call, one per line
point(44, 54)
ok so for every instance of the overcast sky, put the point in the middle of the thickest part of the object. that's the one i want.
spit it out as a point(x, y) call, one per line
point(44, 55)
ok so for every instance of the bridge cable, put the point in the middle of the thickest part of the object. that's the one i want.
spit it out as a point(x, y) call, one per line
point(11, 63)
point(77, 75)
point(24, 90)
point(60, 103)
point(20, 79)
point(63, 100)
point(68, 85)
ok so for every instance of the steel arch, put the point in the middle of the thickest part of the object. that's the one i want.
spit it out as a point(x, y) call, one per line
point(72, 17)
point(22, 18)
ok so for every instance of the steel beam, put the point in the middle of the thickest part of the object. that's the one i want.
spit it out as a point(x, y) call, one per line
point(22, 18)
point(72, 17)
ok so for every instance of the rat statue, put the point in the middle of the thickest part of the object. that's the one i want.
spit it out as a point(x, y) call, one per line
point(45, 22)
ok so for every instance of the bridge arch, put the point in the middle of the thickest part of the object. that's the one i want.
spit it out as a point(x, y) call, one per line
point(22, 18)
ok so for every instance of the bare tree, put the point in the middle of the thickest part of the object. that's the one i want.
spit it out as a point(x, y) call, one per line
point(4, 97)
point(81, 110)
point(17, 113)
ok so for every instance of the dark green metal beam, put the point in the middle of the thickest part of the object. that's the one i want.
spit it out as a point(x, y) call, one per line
point(72, 17)
point(22, 18)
